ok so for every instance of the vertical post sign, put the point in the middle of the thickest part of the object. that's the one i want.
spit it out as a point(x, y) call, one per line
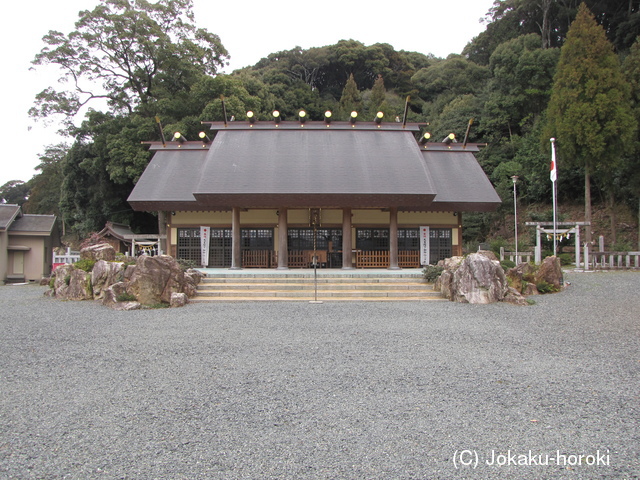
point(424, 246)
point(205, 240)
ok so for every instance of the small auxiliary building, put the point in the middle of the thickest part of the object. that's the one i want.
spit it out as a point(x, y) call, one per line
point(270, 193)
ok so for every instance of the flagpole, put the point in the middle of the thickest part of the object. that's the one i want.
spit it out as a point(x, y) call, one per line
point(554, 177)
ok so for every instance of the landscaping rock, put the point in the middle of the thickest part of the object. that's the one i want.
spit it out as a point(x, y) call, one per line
point(105, 274)
point(191, 280)
point(72, 284)
point(155, 279)
point(126, 306)
point(112, 292)
point(178, 300)
point(102, 251)
point(488, 253)
point(521, 276)
point(550, 271)
point(514, 297)
point(128, 272)
point(479, 279)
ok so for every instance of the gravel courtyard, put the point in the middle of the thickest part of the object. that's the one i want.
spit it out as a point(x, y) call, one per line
point(413, 390)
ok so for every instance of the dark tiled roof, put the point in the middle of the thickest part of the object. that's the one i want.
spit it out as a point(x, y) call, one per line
point(117, 230)
point(33, 224)
point(169, 180)
point(8, 213)
point(461, 183)
point(312, 167)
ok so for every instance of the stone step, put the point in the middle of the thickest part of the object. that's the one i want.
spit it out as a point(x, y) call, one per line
point(310, 286)
point(439, 298)
point(301, 287)
point(321, 280)
point(307, 291)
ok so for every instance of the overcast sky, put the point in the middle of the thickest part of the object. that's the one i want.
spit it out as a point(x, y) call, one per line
point(249, 30)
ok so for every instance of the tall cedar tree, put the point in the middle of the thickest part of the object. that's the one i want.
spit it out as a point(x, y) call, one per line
point(589, 110)
point(351, 100)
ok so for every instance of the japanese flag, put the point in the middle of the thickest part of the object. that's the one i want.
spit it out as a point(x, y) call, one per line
point(554, 171)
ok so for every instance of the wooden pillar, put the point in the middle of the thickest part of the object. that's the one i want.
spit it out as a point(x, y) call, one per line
point(459, 247)
point(236, 250)
point(347, 249)
point(283, 247)
point(393, 239)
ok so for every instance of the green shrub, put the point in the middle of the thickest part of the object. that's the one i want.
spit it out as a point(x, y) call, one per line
point(67, 280)
point(565, 259)
point(621, 247)
point(126, 297)
point(157, 305)
point(496, 243)
point(507, 264)
point(52, 283)
point(432, 272)
point(544, 287)
point(85, 264)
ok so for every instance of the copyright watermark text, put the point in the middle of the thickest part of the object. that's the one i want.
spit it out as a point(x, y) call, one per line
point(493, 458)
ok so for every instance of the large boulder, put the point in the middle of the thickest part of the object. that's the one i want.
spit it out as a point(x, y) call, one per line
point(102, 251)
point(111, 293)
point(522, 278)
point(155, 279)
point(550, 271)
point(192, 278)
point(72, 283)
point(479, 279)
point(178, 300)
point(444, 283)
point(515, 297)
point(105, 274)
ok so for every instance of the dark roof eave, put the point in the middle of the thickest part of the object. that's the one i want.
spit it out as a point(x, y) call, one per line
point(225, 202)
point(465, 206)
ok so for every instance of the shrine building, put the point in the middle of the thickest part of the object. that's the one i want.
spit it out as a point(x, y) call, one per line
point(270, 194)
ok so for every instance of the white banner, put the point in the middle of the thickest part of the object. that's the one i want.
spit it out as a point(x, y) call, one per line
point(205, 240)
point(424, 246)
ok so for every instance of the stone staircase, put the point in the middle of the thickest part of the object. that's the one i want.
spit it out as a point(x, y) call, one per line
point(331, 287)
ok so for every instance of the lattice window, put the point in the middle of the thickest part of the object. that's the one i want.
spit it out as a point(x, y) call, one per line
point(440, 244)
point(302, 238)
point(372, 238)
point(257, 238)
point(189, 244)
point(408, 239)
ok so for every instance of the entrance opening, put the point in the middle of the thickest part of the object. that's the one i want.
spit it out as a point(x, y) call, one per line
point(328, 247)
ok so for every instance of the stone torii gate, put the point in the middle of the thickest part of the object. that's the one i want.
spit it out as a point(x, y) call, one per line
point(566, 228)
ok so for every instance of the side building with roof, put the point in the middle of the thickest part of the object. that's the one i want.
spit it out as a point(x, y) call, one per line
point(26, 245)
point(270, 194)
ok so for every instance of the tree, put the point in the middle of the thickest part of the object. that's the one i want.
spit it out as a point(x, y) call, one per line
point(519, 90)
point(15, 192)
point(589, 111)
point(44, 197)
point(130, 53)
point(632, 167)
point(378, 96)
point(351, 100)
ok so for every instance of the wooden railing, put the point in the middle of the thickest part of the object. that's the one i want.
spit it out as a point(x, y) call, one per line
point(372, 259)
point(408, 259)
point(380, 259)
point(523, 257)
point(258, 258)
point(304, 259)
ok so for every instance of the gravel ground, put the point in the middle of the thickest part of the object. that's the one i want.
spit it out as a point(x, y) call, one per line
point(333, 391)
